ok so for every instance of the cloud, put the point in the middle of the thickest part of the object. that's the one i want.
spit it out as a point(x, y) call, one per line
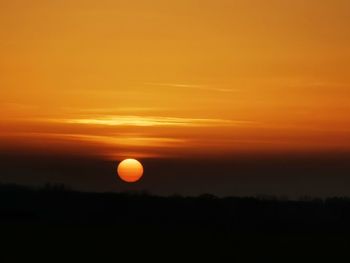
point(150, 121)
point(127, 140)
point(121, 141)
point(111, 110)
point(191, 86)
point(318, 84)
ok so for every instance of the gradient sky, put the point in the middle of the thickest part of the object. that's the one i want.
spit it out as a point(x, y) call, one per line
point(179, 79)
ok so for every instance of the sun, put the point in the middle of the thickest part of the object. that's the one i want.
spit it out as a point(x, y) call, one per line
point(130, 170)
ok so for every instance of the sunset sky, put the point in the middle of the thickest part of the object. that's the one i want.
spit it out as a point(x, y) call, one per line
point(177, 79)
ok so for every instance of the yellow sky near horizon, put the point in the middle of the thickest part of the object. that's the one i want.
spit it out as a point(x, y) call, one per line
point(169, 78)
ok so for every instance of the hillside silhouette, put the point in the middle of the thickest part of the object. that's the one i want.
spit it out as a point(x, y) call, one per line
point(56, 205)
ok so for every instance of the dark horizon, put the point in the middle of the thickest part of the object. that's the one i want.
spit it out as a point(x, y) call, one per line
point(57, 206)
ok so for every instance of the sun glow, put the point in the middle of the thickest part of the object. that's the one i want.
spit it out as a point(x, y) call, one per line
point(130, 170)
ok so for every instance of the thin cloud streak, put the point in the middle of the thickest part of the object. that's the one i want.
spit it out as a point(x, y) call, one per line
point(191, 86)
point(117, 140)
point(113, 110)
point(150, 121)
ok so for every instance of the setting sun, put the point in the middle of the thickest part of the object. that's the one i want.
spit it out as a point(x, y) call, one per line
point(130, 170)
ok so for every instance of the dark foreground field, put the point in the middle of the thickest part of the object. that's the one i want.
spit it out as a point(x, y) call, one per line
point(239, 227)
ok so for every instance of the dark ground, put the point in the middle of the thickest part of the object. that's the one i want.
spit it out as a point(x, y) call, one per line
point(58, 220)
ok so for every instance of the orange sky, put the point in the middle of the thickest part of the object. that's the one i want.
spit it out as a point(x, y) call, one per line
point(175, 78)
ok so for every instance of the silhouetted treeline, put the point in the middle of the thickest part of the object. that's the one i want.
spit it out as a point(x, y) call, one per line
point(57, 205)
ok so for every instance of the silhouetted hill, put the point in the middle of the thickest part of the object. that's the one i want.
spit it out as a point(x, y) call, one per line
point(61, 222)
point(55, 205)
